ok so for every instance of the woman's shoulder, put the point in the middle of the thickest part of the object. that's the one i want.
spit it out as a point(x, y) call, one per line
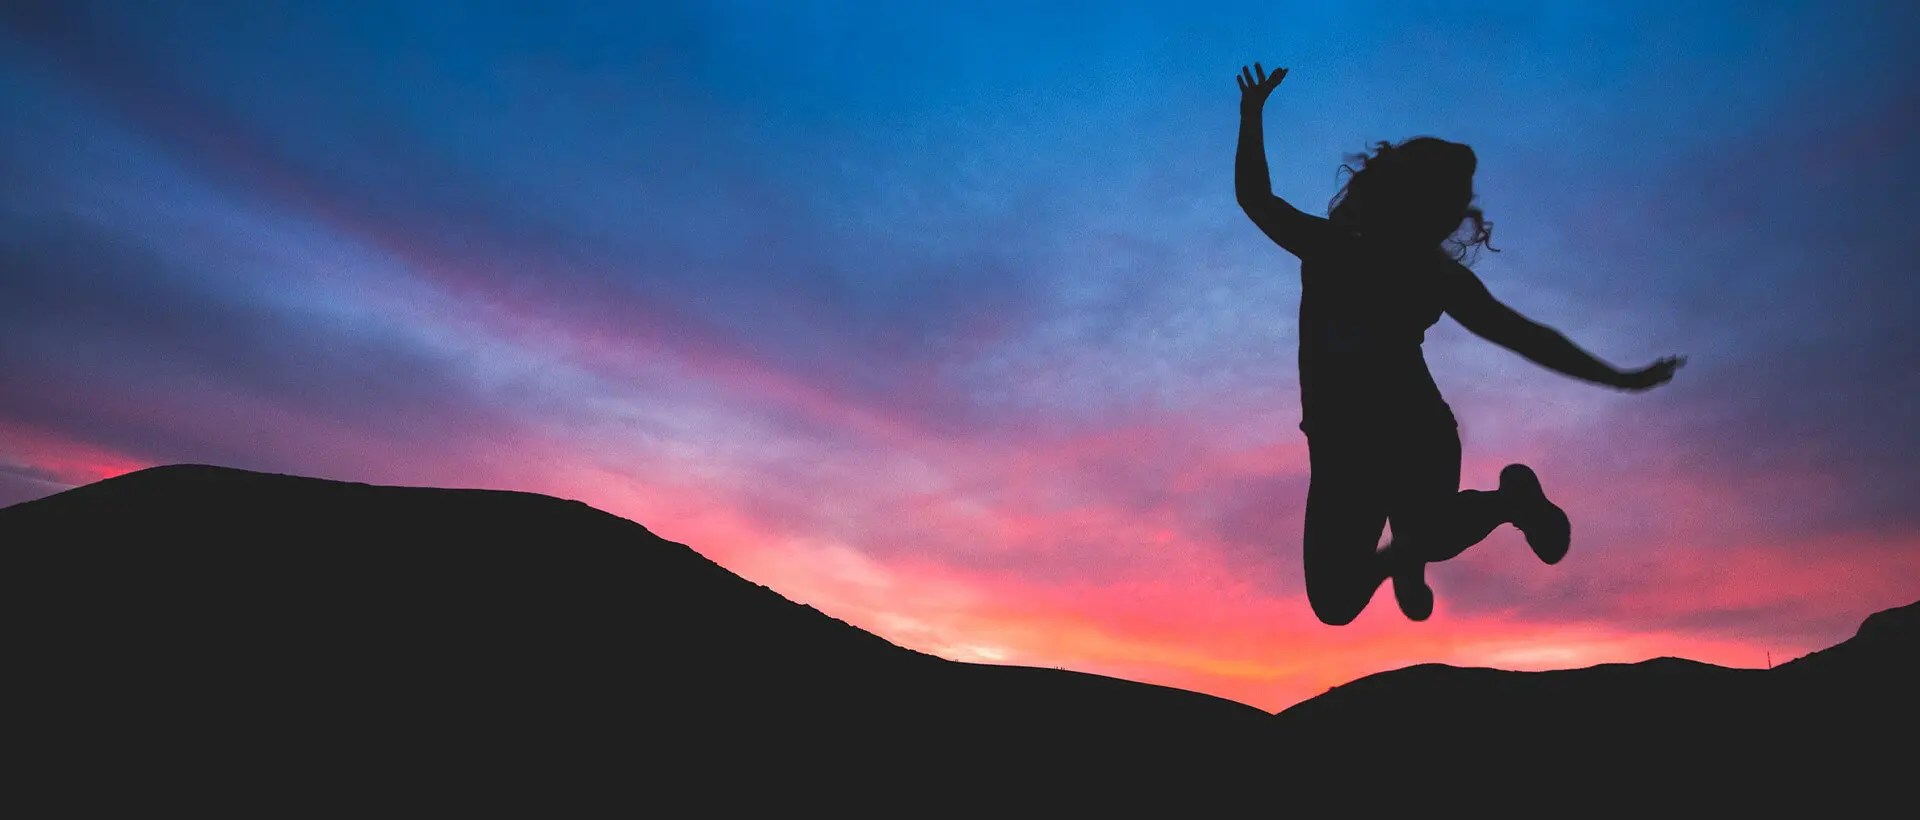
point(1451, 268)
point(1339, 247)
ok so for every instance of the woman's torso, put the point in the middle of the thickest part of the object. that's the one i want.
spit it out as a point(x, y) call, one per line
point(1364, 314)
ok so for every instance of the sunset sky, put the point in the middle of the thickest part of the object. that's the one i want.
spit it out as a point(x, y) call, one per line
point(941, 317)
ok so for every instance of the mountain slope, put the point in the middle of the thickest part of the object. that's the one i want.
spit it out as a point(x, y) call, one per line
point(1831, 727)
point(222, 620)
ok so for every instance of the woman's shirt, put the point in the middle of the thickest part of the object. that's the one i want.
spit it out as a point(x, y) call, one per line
point(1364, 313)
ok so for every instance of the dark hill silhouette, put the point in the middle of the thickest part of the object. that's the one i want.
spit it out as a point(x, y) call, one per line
point(1834, 726)
point(211, 621)
point(215, 638)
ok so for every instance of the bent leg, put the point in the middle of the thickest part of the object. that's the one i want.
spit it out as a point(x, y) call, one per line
point(1433, 519)
point(1464, 520)
point(1343, 523)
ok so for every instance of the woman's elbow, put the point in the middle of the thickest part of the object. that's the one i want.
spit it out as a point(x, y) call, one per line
point(1256, 204)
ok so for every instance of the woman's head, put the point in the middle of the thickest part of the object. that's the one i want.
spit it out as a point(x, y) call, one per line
point(1417, 193)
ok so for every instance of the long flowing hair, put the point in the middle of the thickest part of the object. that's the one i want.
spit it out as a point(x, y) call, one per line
point(1408, 172)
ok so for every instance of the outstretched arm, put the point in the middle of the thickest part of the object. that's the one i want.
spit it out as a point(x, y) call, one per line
point(1475, 309)
point(1299, 233)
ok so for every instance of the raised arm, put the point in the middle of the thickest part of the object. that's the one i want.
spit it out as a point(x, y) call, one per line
point(1301, 234)
point(1469, 303)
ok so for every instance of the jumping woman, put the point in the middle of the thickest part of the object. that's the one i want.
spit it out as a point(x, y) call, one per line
point(1382, 444)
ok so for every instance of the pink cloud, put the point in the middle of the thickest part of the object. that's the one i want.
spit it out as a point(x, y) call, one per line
point(71, 462)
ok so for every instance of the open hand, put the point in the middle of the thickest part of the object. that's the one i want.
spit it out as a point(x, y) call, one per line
point(1256, 84)
point(1652, 375)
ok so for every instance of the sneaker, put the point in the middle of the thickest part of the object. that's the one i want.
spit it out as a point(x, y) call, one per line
point(1410, 588)
point(1546, 526)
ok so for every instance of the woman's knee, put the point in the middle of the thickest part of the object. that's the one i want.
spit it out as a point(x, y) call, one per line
point(1337, 615)
point(1337, 604)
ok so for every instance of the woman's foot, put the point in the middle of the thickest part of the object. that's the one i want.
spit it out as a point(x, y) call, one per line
point(1546, 526)
point(1410, 588)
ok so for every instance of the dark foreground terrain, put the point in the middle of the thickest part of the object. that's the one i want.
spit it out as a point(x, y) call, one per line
point(212, 639)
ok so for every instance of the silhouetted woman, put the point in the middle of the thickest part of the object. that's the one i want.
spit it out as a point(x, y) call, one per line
point(1382, 444)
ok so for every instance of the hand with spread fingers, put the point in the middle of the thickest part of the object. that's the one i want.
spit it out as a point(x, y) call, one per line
point(1256, 84)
